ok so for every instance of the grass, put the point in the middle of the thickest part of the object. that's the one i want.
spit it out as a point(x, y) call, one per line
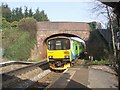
point(98, 62)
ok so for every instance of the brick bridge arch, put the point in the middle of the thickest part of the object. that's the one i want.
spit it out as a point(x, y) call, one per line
point(48, 29)
point(61, 34)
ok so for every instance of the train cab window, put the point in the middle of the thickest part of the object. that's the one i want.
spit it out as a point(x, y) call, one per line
point(66, 44)
point(59, 44)
point(51, 45)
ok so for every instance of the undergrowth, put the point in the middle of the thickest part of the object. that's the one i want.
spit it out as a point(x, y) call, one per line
point(17, 44)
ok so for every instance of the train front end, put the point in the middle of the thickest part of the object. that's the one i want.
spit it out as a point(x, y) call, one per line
point(58, 53)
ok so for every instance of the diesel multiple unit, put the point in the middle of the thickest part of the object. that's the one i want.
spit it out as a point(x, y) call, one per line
point(62, 51)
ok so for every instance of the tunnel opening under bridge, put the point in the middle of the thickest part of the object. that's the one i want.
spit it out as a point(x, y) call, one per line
point(44, 53)
point(62, 34)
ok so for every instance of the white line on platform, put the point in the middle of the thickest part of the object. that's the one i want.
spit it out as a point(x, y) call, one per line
point(65, 71)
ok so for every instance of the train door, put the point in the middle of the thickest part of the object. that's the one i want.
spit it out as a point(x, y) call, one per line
point(77, 50)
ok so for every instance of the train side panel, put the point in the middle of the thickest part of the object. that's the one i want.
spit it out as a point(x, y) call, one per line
point(76, 49)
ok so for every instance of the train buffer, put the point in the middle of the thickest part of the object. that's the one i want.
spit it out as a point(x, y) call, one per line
point(85, 78)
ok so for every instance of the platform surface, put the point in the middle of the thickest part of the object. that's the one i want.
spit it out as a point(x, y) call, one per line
point(81, 77)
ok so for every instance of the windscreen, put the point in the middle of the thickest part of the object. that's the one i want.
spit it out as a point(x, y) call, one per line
point(59, 44)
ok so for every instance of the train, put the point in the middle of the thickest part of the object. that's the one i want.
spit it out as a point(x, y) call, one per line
point(62, 51)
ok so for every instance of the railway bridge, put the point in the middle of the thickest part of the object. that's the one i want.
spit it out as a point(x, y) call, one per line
point(48, 29)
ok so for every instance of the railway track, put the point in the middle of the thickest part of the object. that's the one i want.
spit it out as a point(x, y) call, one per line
point(37, 75)
point(47, 80)
point(3, 64)
point(12, 78)
point(25, 69)
point(10, 66)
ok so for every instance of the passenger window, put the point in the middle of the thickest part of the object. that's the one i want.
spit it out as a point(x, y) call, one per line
point(66, 44)
point(76, 48)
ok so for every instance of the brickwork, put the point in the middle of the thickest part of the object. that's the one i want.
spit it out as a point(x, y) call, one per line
point(46, 29)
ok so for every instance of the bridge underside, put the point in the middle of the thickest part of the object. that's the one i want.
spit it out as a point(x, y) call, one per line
point(62, 34)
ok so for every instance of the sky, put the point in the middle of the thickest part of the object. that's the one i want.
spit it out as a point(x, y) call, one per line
point(64, 10)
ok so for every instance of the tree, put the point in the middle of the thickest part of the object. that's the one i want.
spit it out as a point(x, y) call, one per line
point(107, 12)
point(43, 16)
point(17, 14)
point(27, 24)
point(92, 25)
point(26, 12)
point(6, 12)
point(110, 17)
point(20, 13)
point(40, 16)
point(13, 15)
point(37, 14)
point(30, 14)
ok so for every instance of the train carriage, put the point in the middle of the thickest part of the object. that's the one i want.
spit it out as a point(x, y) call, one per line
point(62, 51)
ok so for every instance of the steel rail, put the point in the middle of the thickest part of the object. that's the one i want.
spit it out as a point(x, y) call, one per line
point(14, 62)
point(25, 69)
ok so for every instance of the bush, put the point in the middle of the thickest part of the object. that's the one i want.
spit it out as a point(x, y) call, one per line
point(18, 42)
point(5, 24)
point(14, 24)
point(101, 62)
point(97, 46)
point(9, 36)
point(27, 24)
point(21, 47)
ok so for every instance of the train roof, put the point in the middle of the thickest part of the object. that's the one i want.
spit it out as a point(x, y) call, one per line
point(73, 38)
point(77, 39)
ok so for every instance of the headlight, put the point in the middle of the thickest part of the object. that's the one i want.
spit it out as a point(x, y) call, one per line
point(50, 56)
point(66, 56)
point(66, 52)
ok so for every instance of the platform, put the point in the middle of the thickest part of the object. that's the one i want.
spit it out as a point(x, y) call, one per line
point(81, 77)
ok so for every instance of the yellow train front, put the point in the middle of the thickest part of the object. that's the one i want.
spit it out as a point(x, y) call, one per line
point(61, 51)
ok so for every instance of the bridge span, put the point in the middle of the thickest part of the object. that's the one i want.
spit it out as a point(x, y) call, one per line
point(47, 29)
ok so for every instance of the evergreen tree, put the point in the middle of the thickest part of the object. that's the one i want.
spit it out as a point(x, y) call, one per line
point(17, 14)
point(26, 12)
point(20, 13)
point(30, 13)
point(46, 17)
point(6, 12)
point(92, 25)
point(13, 15)
point(43, 16)
point(40, 16)
point(36, 15)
